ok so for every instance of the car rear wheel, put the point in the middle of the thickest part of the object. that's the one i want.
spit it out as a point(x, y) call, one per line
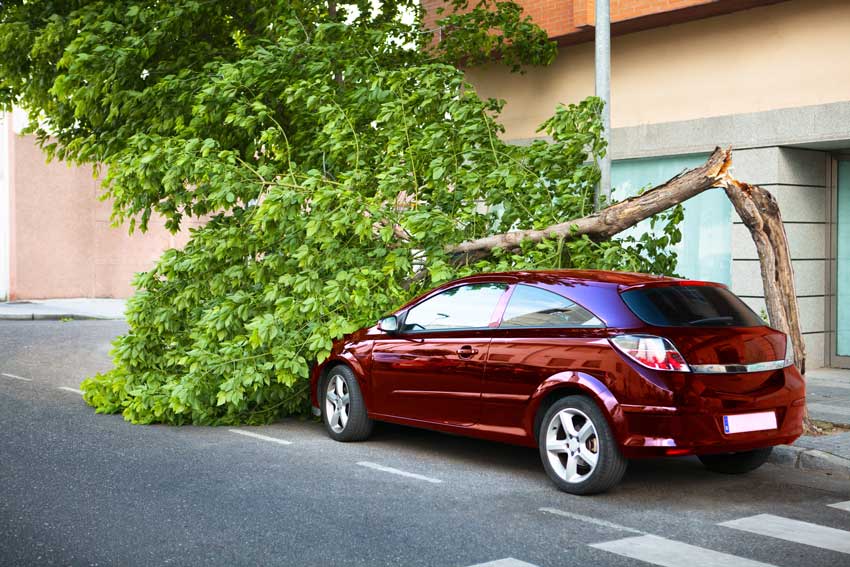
point(578, 448)
point(736, 463)
point(343, 409)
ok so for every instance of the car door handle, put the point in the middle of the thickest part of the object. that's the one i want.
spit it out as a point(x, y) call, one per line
point(466, 351)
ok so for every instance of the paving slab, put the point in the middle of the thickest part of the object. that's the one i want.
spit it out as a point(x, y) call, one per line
point(828, 395)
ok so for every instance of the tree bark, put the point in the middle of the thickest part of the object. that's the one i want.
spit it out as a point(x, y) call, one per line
point(756, 207)
point(760, 213)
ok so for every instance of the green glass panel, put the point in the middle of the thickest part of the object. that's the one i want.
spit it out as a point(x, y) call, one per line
point(842, 260)
point(705, 252)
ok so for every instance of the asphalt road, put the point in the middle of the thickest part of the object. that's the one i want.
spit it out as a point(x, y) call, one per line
point(78, 488)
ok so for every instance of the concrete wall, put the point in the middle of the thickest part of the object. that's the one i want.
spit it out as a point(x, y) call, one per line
point(62, 243)
point(778, 56)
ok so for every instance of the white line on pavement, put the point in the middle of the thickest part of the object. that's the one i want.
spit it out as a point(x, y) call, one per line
point(669, 553)
point(258, 436)
point(794, 530)
point(506, 562)
point(841, 506)
point(391, 470)
point(67, 389)
point(590, 520)
point(15, 377)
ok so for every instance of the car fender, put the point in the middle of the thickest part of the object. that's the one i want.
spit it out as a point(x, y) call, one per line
point(578, 382)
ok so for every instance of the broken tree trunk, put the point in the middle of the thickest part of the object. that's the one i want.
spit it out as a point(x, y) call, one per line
point(760, 213)
point(757, 208)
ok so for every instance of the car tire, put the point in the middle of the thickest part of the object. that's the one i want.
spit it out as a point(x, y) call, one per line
point(578, 448)
point(736, 463)
point(343, 408)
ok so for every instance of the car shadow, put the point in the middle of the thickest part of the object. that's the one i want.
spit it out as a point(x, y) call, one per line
point(678, 482)
point(466, 450)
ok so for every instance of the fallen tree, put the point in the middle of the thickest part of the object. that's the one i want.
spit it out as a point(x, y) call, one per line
point(345, 165)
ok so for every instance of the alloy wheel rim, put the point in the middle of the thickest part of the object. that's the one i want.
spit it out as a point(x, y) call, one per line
point(572, 445)
point(337, 403)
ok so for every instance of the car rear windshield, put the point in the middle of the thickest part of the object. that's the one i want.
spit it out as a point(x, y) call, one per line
point(690, 306)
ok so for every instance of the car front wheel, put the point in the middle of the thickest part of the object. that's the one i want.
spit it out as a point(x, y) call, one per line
point(578, 448)
point(343, 410)
point(736, 463)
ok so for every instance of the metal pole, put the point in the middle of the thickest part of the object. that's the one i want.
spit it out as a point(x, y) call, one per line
point(603, 91)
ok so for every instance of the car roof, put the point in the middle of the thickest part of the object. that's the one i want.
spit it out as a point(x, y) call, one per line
point(625, 279)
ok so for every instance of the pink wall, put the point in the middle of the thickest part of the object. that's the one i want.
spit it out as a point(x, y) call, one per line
point(62, 241)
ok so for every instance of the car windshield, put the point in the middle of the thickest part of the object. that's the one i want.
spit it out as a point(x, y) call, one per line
point(690, 306)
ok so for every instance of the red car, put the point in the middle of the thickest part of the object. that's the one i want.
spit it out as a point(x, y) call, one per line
point(592, 367)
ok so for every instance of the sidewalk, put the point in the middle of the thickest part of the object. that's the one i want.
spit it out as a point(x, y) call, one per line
point(828, 454)
point(55, 309)
point(828, 399)
point(828, 395)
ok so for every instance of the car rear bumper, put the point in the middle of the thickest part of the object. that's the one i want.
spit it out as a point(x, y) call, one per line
point(651, 431)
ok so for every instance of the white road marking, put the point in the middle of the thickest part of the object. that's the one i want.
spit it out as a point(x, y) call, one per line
point(669, 553)
point(67, 389)
point(591, 520)
point(15, 377)
point(258, 436)
point(841, 506)
point(506, 562)
point(399, 472)
point(794, 530)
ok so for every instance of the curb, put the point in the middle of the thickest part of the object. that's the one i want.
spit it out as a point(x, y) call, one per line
point(811, 460)
point(48, 317)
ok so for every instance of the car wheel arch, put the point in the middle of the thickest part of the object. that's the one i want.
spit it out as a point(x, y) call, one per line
point(353, 365)
point(572, 383)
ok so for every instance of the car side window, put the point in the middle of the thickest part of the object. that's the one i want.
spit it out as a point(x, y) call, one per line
point(464, 307)
point(535, 307)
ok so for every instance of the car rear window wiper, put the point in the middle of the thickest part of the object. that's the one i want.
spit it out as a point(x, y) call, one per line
point(709, 320)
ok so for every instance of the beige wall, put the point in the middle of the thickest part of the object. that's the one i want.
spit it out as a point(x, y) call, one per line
point(795, 53)
point(62, 242)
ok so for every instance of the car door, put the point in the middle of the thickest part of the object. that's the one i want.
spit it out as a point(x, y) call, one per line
point(540, 334)
point(432, 369)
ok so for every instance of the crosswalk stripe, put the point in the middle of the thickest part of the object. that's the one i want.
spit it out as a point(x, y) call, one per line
point(794, 530)
point(670, 553)
point(841, 506)
point(506, 562)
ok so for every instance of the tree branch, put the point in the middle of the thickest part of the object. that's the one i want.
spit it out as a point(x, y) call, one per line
point(615, 218)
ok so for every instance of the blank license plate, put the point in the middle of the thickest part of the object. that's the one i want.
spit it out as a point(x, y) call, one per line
point(742, 423)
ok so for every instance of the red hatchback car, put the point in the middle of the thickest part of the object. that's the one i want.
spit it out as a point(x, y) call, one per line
point(592, 367)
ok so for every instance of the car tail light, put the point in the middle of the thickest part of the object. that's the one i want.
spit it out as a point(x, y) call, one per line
point(653, 352)
point(789, 351)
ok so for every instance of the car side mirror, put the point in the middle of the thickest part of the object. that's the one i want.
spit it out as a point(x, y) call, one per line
point(388, 324)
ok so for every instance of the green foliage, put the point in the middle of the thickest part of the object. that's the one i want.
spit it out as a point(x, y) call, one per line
point(335, 157)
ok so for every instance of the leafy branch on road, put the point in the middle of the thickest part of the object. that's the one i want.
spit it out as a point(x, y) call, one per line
point(338, 157)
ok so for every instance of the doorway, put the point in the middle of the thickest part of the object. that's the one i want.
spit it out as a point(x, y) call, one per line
point(839, 347)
